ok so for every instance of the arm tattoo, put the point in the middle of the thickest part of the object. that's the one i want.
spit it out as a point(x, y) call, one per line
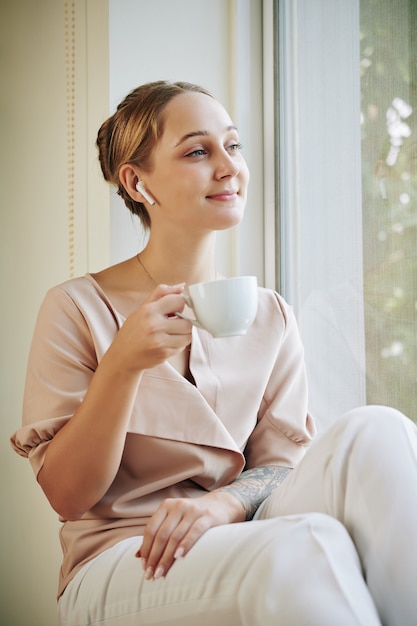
point(255, 485)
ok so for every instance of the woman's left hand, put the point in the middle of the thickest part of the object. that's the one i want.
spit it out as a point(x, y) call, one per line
point(178, 523)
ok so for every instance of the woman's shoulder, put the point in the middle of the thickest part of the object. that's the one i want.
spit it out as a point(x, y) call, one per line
point(76, 289)
point(81, 295)
point(271, 303)
point(111, 279)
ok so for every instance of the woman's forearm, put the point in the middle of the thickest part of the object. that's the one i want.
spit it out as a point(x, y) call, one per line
point(254, 485)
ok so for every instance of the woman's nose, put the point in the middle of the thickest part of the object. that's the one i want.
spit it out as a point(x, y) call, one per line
point(226, 165)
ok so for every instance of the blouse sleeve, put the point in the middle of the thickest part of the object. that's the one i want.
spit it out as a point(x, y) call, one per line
point(62, 360)
point(284, 426)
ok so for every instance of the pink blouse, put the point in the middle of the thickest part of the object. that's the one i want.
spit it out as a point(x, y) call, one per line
point(248, 408)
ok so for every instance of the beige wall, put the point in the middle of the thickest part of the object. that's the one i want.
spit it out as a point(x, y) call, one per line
point(54, 68)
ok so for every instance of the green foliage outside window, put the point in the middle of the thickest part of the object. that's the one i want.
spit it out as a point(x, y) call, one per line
point(389, 191)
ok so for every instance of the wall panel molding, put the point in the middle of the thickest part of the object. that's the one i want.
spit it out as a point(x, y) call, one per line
point(54, 224)
point(69, 41)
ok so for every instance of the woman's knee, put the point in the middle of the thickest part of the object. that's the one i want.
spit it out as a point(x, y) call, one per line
point(368, 423)
point(326, 538)
point(307, 572)
point(293, 544)
point(372, 414)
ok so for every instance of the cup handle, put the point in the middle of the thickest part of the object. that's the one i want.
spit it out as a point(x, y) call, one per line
point(193, 322)
point(189, 303)
point(187, 298)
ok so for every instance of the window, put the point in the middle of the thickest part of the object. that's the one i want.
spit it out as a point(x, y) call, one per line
point(348, 214)
point(389, 195)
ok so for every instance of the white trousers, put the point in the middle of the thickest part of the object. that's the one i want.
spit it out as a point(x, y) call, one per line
point(335, 545)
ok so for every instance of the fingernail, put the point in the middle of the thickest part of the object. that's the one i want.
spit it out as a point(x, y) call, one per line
point(159, 572)
point(179, 552)
point(149, 573)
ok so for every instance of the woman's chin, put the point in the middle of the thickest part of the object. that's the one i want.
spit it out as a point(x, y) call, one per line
point(229, 218)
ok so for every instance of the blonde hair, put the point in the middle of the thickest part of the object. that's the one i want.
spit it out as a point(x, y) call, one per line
point(131, 133)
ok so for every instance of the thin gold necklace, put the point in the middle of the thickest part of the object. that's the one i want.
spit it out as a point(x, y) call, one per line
point(145, 270)
point(152, 278)
point(154, 282)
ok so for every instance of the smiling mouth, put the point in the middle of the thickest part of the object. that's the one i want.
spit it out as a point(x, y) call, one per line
point(223, 195)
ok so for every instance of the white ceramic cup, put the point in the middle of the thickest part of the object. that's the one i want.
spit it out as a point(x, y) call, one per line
point(223, 307)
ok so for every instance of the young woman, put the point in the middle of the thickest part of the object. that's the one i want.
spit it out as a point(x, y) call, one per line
point(177, 462)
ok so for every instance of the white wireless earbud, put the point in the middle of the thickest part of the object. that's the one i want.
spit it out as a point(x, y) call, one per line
point(145, 194)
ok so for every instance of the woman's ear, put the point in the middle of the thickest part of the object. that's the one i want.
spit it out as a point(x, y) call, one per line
point(130, 179)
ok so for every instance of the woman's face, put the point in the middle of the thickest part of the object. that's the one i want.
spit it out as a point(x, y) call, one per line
point(199, 177)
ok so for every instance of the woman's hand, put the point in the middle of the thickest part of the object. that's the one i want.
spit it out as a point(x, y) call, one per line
point(178, 523)
point(152, 333)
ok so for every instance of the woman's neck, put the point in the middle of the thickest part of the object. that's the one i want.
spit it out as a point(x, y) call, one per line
point(179, 262)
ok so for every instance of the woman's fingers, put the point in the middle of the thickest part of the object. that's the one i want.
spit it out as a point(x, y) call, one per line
point(180, 542)
point(171, 532)
point(162, 305)
point(153, 333)
point(161, 530)
point(162, 291)
point(163, 550)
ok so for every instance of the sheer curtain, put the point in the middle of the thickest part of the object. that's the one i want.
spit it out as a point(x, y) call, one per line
point(320, 196)
point(347, 197)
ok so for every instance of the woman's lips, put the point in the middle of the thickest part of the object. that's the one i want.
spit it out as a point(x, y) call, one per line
point(223, 196)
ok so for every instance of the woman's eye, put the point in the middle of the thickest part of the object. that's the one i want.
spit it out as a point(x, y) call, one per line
point(197, 153)
point(235, 147)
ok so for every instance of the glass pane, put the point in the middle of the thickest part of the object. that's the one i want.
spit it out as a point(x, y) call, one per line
point(389, 187)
